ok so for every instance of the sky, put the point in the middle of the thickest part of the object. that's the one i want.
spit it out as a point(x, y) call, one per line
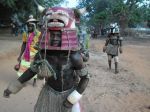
point(70, 3)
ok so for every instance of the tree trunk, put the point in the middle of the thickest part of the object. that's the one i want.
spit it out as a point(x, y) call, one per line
point(123, 21)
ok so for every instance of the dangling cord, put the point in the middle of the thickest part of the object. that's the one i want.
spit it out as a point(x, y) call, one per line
point(67, 59)
point(69, 48)
point(43, 35)
point(45, 47)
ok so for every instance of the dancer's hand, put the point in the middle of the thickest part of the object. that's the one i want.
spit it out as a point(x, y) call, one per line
point(104, 49)
point(19, 59)
point(16, 67)
point(120, 50)
point(7, 93)
point(13, 88)
point(67, 104)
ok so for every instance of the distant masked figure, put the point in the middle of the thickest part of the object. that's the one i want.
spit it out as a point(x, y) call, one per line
point(113, 46)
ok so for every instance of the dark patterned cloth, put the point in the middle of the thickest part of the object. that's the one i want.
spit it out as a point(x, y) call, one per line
point(113, 43)
point(112, 49)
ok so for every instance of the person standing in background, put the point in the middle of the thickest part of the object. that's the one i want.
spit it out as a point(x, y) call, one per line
point(28, 48)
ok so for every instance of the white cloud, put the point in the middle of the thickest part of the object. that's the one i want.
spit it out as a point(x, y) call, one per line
point(70, 3)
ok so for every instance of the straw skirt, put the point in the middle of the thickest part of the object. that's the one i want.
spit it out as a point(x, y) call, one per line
point(51, 101)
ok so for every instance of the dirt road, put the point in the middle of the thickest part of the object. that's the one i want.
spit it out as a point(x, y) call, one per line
point(128, 91)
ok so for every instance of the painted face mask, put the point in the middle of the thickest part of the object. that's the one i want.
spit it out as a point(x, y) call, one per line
point(61, 33)
point(64, 20)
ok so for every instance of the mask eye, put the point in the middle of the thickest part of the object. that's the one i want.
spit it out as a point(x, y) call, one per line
point(60, 14)
point(49, 13)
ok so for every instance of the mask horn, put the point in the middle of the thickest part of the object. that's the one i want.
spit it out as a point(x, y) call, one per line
point(40, 8)
point(82, 10)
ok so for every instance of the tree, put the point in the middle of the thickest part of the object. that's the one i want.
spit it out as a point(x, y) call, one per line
point(8, 3)
point(22, 8)
point(125, 12)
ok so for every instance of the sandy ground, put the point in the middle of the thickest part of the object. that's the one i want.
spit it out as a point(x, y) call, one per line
point(128, 91)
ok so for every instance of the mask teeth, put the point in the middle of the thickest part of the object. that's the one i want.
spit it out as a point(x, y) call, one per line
point(55, 24)
point(55, 20)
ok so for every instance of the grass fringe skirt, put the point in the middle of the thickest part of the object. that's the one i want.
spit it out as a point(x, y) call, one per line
point(51, 101)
